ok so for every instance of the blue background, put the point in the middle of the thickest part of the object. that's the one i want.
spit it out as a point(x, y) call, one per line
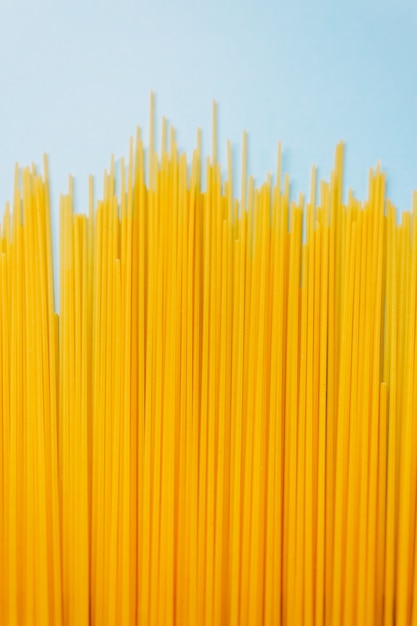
point(75, 81)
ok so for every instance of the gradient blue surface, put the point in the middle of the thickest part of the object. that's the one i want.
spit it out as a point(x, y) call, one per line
point(75, 81)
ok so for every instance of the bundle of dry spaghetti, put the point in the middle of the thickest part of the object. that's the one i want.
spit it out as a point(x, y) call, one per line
point(219, 427)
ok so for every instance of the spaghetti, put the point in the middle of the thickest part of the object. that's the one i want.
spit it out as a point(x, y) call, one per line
point(219, 427)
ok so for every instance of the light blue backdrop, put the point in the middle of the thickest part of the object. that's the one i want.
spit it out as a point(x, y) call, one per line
point(75, 81)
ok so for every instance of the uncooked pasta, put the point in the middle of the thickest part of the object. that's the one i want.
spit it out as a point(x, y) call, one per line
point(216, 423)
